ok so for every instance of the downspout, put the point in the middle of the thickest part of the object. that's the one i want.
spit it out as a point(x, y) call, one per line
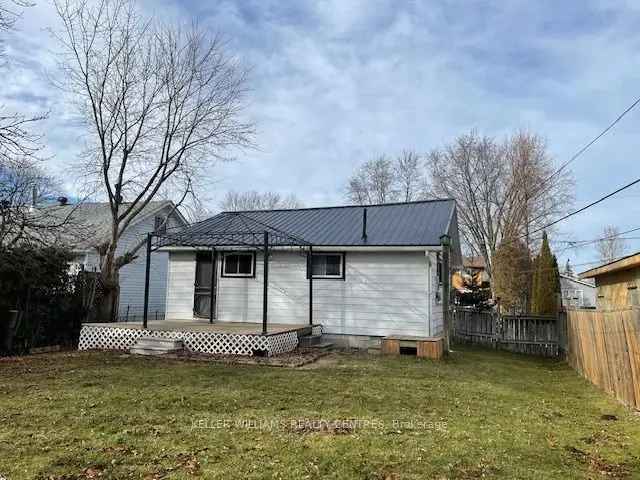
point(429, 292)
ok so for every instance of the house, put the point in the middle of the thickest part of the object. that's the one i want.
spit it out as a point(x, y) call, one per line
point(577, 293)
point(476, 267)
point(472, 283)
point(617, 282)
point(362, 273)
point(89, 225)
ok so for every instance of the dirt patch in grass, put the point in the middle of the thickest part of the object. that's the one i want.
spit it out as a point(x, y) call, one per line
point(297, 358)
point(599, 465)
point(330, 427)
point(330, 359)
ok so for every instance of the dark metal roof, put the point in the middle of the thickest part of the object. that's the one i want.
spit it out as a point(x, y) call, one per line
point(394, 224)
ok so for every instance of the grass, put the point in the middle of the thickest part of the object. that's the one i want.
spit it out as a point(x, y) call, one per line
point(480, 414)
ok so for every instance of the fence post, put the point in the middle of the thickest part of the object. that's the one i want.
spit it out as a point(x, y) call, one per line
point(498, 331)
point(561, 326)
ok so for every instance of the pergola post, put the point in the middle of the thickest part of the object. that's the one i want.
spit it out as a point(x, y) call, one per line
point(265, 282)
point(445, 242)
point(146, 282)
point(214, 277)
point(310, 270)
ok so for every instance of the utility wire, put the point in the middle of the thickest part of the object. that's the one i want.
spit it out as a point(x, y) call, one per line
point(543, 184)
point(595, 139)
point(583, 243)
point(580, 210)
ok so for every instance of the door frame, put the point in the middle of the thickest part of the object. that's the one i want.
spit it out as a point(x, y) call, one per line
point(212, 293)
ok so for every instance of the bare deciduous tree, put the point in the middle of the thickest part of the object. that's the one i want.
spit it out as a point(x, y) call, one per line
point(409, 176)
point(160, 102)
point(373, 182)
point(17, 139)
point(24, 187)
point(503, 190)
point(10, 11)
point(252, 200)
point(611, 245)
point(383, 180)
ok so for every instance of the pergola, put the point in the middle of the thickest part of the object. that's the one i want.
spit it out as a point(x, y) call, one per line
point(229, 230)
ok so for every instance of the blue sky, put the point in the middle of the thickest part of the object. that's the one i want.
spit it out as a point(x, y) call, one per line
point(336, 82)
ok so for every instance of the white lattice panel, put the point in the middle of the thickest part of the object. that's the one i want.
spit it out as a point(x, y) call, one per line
point(116, 338)
point(316, 330)
point(283, 342)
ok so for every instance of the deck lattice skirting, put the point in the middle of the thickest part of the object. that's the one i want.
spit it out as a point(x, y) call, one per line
point(115, 338)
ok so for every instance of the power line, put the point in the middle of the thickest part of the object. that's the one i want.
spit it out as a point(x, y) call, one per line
point(594, 140)
point(580, 210)
point(584, 243)
point(542, 187)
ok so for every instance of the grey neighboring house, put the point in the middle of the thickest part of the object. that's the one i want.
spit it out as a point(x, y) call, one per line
point(387, 282)
point(577, 293)
point(90, 225)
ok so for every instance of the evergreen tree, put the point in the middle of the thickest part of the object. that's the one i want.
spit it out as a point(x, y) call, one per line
point(547, 282)
point(511, 277)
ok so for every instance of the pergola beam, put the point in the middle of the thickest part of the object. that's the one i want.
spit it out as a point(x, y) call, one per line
point(265, 283)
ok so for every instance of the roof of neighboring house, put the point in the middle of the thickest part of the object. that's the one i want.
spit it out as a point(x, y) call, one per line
point(624, 263)
point(474, 262)
point(419, 223)
point(90, 223)
point(576, 280)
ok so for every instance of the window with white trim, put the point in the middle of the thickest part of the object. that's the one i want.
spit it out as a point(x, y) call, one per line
point(327, 265)
point(238, 264)
point(160, 225)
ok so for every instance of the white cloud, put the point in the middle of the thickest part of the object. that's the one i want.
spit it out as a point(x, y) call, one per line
point(336, 82)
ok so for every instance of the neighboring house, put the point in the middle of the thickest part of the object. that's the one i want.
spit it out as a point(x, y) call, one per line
point(476, 267)
point(89, 225)
point(472, 283)
point(577, 293)
point(374, 274)
point(617, 282)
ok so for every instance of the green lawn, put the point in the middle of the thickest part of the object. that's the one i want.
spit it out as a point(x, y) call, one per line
point(478, 414)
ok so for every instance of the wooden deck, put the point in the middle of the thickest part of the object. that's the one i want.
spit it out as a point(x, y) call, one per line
point(241, 328)
point(231, 338)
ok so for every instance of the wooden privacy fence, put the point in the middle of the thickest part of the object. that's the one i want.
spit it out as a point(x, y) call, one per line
point(604, 346)
point(529, 334)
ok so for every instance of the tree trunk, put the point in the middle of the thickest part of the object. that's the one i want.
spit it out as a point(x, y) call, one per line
point(107, 304)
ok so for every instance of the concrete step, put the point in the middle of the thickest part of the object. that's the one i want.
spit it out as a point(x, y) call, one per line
point(323, 346)
point(310, 340)
point(149, 351)
point(156, 346)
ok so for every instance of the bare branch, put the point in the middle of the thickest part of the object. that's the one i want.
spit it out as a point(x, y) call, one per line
point(252, 200)
point(498, 188)
point(611, 246)
point(161, 104)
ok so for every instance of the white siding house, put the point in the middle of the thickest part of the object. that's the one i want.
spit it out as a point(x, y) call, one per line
point(383, 293)
point(389, 285)
point(93, 219)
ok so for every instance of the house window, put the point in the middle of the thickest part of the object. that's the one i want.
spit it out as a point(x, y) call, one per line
point(159, 225)
point(238, 264)
point(327, 265)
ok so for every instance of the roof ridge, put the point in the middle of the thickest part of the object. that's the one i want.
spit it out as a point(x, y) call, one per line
point(414, 202)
